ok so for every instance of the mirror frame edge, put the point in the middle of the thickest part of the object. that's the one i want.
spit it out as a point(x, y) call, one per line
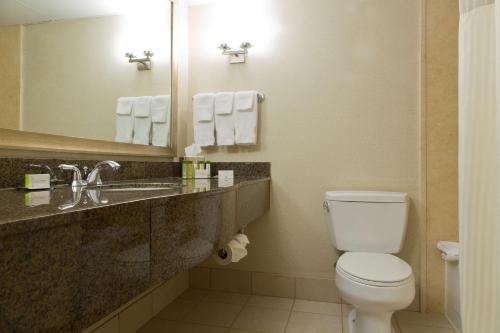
point(29, 142)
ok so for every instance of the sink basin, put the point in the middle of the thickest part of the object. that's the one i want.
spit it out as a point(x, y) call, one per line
point(135, 187)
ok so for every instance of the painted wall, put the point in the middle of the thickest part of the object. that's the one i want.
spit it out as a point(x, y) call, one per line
point(441, 71)
point(342, 112)
point(74, 71)
point(10, 76)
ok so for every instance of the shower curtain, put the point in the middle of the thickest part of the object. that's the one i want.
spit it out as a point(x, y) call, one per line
point(479, 166)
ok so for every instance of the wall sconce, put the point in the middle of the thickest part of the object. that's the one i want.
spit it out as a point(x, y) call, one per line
point(236, 56)
point(143, 64)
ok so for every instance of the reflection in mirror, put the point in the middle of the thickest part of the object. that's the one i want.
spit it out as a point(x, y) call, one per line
point(64, 69)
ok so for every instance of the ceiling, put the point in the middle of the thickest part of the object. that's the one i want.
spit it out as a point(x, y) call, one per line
point(14, 12)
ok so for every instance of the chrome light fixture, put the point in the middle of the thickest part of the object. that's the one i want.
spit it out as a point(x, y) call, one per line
point(143, 64)
point(236, 56)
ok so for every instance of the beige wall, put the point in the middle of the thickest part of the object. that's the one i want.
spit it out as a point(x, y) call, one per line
point(441, 71)
point(10, 76)
point(342, 112)
point(74, 71)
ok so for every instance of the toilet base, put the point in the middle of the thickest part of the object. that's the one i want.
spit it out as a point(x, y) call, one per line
point(370, 322)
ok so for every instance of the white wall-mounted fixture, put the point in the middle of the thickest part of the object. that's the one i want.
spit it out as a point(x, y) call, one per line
point(236, 56)
point(143, 64)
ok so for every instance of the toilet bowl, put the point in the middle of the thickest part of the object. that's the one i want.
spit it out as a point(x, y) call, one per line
point(376, 285)
point(368, 226)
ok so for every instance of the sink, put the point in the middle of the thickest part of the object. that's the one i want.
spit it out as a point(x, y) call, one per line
point(125, 187)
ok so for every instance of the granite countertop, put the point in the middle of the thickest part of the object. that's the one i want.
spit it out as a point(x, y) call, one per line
point(18, 207)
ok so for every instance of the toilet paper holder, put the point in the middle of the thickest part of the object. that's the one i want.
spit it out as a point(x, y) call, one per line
point(222, 253)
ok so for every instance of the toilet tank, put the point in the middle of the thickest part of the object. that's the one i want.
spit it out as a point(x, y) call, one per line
point(367, 221)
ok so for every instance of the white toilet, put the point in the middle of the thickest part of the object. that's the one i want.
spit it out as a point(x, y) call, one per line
point(369, 226)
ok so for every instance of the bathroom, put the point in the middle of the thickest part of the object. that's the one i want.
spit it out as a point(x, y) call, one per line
point(354, 192)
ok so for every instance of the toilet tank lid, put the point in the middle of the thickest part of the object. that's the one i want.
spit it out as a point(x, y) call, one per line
point(366, 196)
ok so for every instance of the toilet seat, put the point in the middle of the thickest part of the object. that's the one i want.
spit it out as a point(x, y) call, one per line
point(374, 269)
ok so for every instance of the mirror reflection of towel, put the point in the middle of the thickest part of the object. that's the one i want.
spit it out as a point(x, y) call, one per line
point(141, 111)
point(160, 116)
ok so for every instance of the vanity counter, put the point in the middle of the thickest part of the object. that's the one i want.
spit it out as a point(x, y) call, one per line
point(77, 264)
point(22, 211)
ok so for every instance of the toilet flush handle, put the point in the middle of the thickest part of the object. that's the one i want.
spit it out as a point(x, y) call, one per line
point(326, 206)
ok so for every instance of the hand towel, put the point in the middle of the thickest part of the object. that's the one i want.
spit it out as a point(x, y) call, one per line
point(142, 106)
point(124, 128)
point(224, 103)
point(245, 119)
point(160, 117)
point(142, 120)
point(124, 105)
point(245, 100)
point(160, 108)
point(224, 129)
point(161, 134)
point(203, 107)
point(204, 133)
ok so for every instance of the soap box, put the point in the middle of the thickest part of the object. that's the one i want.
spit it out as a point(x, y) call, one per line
point(37, 182)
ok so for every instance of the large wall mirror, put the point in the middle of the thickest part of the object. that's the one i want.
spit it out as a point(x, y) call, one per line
point(64, 69)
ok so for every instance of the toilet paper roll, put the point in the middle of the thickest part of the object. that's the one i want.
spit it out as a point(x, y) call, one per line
point(242, 239)
point(234, 251)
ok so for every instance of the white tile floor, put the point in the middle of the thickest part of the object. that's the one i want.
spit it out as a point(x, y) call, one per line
point(198, 311)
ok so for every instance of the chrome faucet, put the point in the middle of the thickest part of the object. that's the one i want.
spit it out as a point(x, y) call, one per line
point(77, 175)
point(94, 177)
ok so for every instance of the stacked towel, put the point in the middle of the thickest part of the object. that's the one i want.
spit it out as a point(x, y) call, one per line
point(160, 117)
point(141, 110)
point(124, 120)
point(224, 123)
point(245, 117)
point(203, 119)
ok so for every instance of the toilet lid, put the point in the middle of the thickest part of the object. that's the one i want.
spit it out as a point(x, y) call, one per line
point(377, 267)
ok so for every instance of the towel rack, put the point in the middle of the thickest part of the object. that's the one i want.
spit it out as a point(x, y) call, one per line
point(260, 97)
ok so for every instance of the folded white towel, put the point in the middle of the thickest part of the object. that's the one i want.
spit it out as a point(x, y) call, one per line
point(161, 134)
point(245, 120)
point(142, 106)
point(224, 103)
point(224, 129)
point(245, 100)
point(124, 105)
point(203, 107)
point(204, 132)
point(142, 120)
point(124, 128)
point(160, 108)
point(160, 117)
point(142, 130)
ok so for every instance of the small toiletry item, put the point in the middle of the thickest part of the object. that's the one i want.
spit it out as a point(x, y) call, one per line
point(207, 168)
point(37, 181)
point(202, 170)
point(187, 169)
point(226, 178)
point(193, 165)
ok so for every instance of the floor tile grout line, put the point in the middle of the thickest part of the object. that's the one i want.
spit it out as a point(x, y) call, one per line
point(243, 306)
point(289, 316)
point(236, 317)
